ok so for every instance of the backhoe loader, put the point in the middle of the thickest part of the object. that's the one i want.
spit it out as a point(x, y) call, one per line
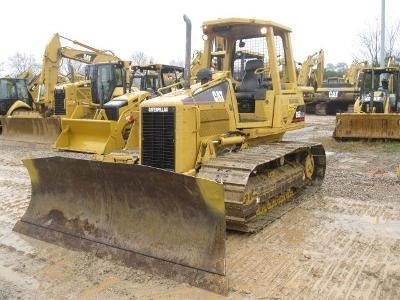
point(11, 91)
point(39, 121)
point(113, 127)
point(377, 111)
point(211, 157)
point(14, 90)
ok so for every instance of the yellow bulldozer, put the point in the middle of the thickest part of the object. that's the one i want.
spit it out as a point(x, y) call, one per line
point(52, 98)
point(376, 111)
point(113, 126)
point(211, 157)
point(338, 94)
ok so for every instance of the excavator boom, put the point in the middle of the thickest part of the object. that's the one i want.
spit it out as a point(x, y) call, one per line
point(40, 120)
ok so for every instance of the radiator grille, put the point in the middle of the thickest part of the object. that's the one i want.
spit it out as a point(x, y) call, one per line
point(59, 97)
point(158, 137)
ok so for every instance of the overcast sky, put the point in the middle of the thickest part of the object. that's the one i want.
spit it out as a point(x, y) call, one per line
point(157, 27)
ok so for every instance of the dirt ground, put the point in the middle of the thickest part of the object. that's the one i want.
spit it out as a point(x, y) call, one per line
point(341, 242)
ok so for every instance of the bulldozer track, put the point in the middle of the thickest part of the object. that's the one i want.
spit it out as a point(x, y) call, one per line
point(258, 179)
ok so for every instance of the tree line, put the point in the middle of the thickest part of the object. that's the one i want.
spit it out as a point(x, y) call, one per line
point(369, 50)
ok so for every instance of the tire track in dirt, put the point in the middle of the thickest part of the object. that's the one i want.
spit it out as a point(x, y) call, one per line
point(339, 248)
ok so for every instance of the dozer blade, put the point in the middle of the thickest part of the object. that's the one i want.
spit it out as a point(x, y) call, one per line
point(367, 126)
point(91, 136)
point(36, 130)
point(166, 223)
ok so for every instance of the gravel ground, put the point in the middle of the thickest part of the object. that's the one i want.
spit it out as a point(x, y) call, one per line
point(341, 242)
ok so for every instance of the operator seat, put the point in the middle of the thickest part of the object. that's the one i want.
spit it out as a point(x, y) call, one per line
point(204, 75)
point(251, 87)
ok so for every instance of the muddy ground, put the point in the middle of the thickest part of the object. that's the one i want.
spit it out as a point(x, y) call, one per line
point(341, 242)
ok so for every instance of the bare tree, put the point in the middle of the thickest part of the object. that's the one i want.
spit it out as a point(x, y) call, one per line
point(139, 58)
point(72, 69)
point(370, 43)
point(392, 42)
point(19, 63)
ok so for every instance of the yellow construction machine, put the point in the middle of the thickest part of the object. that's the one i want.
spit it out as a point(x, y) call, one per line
point(114, 126)
point(338, 94)
point(310, 77)
point(211, 156)
point(311, 71)
point(377, 111)
point(153, 77)
point(11, 91)
point(39, 121)
point(14, 90)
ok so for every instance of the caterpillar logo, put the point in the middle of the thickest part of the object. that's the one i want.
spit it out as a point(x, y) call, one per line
point(89, 57)
point(158, 109)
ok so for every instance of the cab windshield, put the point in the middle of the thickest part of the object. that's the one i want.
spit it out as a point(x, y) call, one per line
point(11, 88)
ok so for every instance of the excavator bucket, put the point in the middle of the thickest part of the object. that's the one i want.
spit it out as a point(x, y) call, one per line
point(36, 130)
point(91, 136)
point(166, 223)
point(367, 126)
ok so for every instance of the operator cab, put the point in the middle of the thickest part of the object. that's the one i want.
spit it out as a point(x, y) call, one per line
point(11, 90)
point(379, 86)
point(155, 76)
point(105, 79)
point(256, 60)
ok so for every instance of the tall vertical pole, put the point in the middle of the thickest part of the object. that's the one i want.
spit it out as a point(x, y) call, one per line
point(382, 58)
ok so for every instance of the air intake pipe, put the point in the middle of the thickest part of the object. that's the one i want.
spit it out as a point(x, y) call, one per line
point(188, 51)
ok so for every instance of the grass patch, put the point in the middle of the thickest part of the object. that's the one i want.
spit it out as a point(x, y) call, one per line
point(357, 145)
point(391, 147)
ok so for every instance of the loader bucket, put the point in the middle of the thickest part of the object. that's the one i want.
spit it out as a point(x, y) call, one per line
point(164, 222)
point(36, 130)
point(91, 136)
point(367, 126)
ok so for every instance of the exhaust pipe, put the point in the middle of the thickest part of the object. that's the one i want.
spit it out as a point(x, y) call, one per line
point(188, 51)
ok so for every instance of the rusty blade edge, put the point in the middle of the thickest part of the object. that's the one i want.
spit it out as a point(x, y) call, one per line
point(211, 281)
